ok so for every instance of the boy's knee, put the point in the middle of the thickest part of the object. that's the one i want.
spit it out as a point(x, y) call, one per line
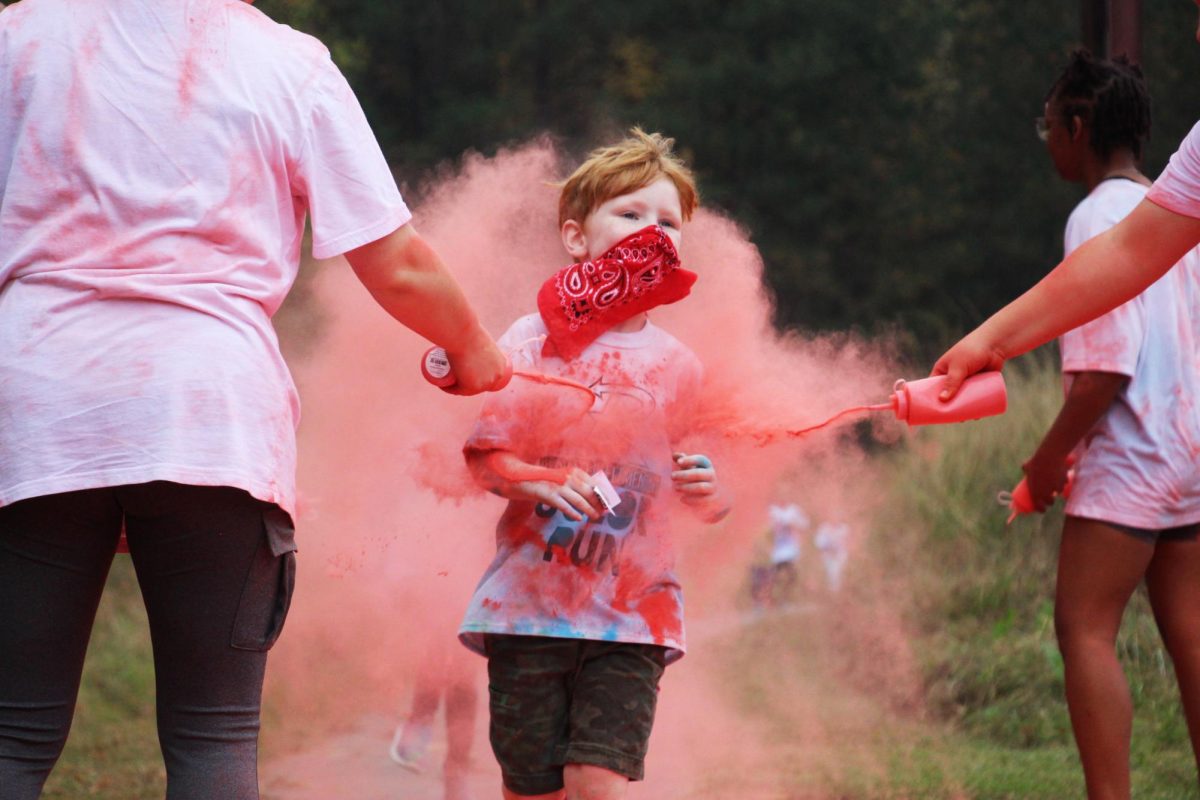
point(508, 794)
point(589, 782)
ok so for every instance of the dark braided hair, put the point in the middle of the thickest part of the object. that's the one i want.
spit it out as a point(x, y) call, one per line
point(1111, 95)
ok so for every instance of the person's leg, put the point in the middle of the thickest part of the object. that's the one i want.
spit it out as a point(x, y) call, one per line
point(1098, 569)
point(784, 582)
point(55, 552)
point(412, 737)
point(612, 712)
point(589, 782)
point(508, 794)
point(529, 685)
point(461, 701)
point(216, 568)
point(1174, 583)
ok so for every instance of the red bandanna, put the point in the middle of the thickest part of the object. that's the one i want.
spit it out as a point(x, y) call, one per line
point(584, 300)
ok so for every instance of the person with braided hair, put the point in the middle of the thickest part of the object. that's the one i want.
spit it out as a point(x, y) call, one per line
point(1130, 426)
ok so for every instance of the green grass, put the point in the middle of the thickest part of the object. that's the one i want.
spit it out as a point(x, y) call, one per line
point(112, 753)
point(983, 716)
point(981, 606)
point(866, 751)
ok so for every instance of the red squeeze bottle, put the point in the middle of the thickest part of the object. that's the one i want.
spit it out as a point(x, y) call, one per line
point(918, 403)
point(435, 366)
point(1019, 501)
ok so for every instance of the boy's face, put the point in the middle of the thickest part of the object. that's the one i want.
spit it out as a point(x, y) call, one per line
point(656, 203)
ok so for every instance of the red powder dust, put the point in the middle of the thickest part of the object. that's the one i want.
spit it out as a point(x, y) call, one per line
point(395, 534)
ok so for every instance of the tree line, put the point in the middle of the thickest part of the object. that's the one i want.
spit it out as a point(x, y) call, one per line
point(881, 153)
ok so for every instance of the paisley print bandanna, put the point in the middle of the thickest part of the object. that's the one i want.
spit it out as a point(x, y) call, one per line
point(580, 302)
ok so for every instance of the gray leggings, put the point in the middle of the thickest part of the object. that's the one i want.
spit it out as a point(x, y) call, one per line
point(216, 569)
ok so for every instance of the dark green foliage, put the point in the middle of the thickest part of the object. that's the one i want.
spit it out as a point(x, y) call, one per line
point(881, 153)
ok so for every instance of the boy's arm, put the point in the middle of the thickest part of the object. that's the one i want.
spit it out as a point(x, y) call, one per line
point(696, 482)
point(408, 279)
point(502, 472)
point(1090, 396)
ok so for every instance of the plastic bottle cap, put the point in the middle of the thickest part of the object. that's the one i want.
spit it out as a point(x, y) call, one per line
point(900, 400)
point(435, 366)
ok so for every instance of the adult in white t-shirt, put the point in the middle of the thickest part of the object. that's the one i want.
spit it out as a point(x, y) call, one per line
point(158, 159)
point(1131, 422)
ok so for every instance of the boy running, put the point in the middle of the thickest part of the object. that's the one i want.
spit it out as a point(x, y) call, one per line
point(581, 610)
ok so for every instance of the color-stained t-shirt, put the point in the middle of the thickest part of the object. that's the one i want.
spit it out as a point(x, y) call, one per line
point(158, 159)
point(1137, 466)
point(612, 579)
point(1178, 187)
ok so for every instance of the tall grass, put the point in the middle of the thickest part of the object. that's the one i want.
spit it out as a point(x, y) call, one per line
point(982, 592)
point(977, 594)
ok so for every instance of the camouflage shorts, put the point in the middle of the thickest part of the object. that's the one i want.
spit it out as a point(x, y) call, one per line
point(569, 701)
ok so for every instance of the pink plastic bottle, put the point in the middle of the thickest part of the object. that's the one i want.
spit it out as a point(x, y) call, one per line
point(981, 395)
point(1020, 502)
point(435, 366)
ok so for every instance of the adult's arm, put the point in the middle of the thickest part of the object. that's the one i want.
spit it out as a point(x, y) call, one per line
point(408, 279)
point(1106, 271)
point(1090, 397)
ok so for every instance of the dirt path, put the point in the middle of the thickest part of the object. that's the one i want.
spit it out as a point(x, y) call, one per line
point(712, 738)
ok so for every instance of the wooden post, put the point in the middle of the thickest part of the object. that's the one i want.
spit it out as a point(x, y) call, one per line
point(1125, 29)
point(1112, 28)
point(1094, 20)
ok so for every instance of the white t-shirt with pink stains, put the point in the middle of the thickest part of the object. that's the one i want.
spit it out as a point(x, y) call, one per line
point(1137, 466)
point(158, 159)
point(612, 579)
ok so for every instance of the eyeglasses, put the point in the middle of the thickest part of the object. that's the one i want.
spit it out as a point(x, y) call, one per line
point(1042, 126)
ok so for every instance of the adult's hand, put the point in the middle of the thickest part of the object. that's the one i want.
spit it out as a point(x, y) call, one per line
point(408, 279)
point(973, 353)
point(478, 367)
point(1045, 478)
point(1098, 276)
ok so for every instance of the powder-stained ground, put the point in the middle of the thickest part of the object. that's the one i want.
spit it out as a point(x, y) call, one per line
point(712, 738)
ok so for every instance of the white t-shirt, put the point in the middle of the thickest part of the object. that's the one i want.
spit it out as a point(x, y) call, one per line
point(612, 579)
point(1178, 187)
point(1139, 462)
point(157, 161)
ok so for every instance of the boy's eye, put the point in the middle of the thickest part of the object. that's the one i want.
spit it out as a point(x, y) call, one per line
point(666, 223)
point(629, 214)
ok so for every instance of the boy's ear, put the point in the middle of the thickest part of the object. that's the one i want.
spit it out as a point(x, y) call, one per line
point(574, 240)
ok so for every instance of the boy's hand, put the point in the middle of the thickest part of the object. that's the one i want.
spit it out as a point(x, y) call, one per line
point(576, 498)
point(696, 482)
point(1045, 478)
point(695, 477)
